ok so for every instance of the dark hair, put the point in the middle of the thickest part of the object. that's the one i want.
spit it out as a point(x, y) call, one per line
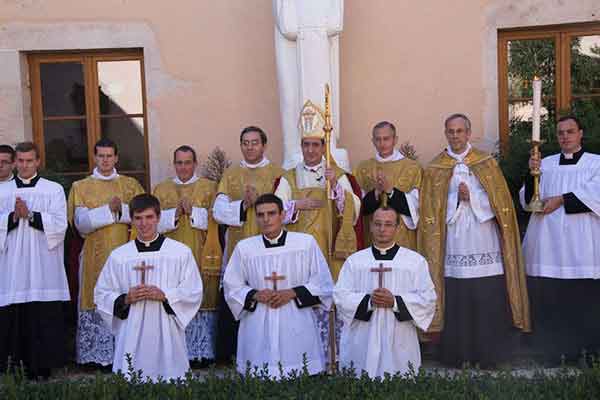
point(106, 142)
point(186, 149)
point(572, 118)
point(390, 209)
point(461, 116)
point(26, 147)
point(384, 124)
point(268, 198)
point(143, 202)
point(6, 149)
point(248, 129)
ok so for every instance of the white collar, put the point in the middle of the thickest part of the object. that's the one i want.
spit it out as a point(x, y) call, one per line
point(395, 156)
point(569, 156)
point(314, 168)
point(9, 178)
point(263, 163)
point(274, 240)
point(97, 175)
point(149, 242)
point(384, 251)
point(178, 181)
point(459, 157)
point(28, 181)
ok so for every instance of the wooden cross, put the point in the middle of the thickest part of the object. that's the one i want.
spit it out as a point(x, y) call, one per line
point(381, 271)
point(274, 277)
point(143, 267)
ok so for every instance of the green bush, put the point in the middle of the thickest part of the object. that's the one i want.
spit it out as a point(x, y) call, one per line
point(466, 384)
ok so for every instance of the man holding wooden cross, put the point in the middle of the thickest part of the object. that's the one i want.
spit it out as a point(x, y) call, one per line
point(271, 283)
point(383, 293)
point(147, 293)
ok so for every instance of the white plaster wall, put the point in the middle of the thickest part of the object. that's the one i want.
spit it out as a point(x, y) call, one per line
point(18, 38)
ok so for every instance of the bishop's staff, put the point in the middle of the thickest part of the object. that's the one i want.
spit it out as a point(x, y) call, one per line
point(327, 128)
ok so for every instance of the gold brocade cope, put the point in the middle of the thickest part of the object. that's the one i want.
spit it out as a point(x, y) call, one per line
point(405, 175)
point(321, 222)
point(201, 194)
point(431, 235)
point(232, 184)
point(92, 193)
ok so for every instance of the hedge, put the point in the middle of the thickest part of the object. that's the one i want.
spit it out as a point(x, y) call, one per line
point(465, 384)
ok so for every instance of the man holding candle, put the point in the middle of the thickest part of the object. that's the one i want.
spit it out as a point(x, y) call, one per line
point(469, 235)
point(561, 250)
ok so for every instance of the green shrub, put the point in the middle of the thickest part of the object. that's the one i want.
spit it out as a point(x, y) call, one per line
point(466, 384)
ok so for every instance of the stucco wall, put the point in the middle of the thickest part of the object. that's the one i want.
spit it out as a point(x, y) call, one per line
point(210, 65)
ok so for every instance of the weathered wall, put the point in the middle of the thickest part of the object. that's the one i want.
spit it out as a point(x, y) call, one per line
point(210, 65)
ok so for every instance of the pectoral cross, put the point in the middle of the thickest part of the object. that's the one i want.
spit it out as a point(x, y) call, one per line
point(143, 267)
point(274, 277)
point(381, 270)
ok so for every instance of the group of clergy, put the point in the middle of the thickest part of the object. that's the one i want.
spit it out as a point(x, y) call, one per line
point(314, 260)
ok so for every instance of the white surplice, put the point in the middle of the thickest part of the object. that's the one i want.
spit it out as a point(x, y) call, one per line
point(154, 339)
point(561, 245)
point(472, 238)
point(283, 335)
point(383, 344)
point(31, 261)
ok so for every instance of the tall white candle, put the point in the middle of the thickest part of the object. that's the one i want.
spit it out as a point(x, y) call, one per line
point(537, 105)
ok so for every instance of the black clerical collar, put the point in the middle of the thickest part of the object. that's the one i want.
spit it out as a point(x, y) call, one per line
point(27, 183)
point(277, 242)
point(572, 160)
point(387, 254)
point(153, 245)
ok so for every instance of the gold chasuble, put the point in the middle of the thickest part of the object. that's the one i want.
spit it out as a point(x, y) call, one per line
point(232, 184)
point(334, 233)
point(204, 244)
point(92, 193)
point(405, 175)
point(431, 235)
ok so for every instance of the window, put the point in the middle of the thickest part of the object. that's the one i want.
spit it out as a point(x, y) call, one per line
point(78, 98)
point(567, 59)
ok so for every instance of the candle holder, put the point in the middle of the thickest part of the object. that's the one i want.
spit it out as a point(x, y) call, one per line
point(536, 205)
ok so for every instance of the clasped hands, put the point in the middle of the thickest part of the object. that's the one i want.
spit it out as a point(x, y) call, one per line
point(382, 298)
point(274, 298)
point(382, 184)
point(21, 210)
point(250, 196)
point(184, 207)
point(144, 292)
point(115, 205)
